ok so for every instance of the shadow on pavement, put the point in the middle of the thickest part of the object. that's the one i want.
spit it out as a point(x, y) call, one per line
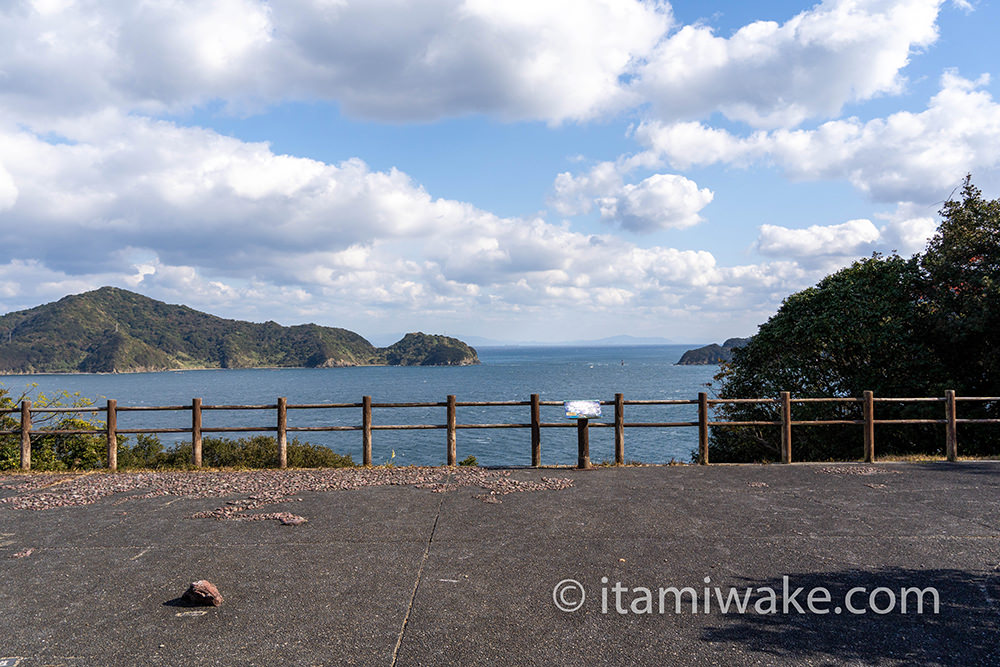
point(963, 632)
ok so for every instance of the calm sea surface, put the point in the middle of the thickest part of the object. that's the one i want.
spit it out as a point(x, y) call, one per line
point(556, 373)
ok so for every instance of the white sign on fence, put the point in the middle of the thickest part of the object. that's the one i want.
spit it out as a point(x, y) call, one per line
point(582, 409)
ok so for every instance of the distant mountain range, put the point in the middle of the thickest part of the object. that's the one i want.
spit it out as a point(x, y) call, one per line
point(610, 341)
point(112, 330)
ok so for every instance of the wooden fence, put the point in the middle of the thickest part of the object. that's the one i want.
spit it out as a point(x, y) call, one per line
point(367, 426)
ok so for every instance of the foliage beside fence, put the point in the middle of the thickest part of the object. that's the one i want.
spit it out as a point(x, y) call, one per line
point(896, 326)
point(260, 451)
point(854, 435)
point(88, 451)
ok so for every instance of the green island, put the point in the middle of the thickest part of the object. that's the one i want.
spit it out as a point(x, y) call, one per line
point(112, 330)
point(712, 354)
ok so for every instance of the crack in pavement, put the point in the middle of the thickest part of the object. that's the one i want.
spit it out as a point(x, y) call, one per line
point(416, 583)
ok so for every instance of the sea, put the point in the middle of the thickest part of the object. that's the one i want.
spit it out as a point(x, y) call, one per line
point(504, 374)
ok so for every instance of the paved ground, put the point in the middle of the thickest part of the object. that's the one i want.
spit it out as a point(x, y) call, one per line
point(398, 574)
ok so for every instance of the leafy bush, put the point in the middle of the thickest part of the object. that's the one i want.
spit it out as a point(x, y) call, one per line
point(259, 451)
point(51, 452)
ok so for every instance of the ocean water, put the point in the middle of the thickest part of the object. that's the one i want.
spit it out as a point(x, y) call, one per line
point(508, 373)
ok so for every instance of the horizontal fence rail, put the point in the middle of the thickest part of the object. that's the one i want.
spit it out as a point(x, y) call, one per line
point(368, 426)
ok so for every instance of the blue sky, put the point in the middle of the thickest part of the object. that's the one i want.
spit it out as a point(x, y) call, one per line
point(518, 171)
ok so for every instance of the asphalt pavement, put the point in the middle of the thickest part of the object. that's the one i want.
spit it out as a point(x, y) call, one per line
point(402, 575)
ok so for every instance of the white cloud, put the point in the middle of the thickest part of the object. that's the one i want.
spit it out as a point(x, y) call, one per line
point(771, 75)
point(519, 59)
point(662, 201)
point(902, 157)
point(851, 238)
point(378, 59)
point(575, 194)
point(829, 247)
point(908, 228)
point(684, 145)
point(8, 189)
point(188, 215)
point(556, 60)
point(909, 236)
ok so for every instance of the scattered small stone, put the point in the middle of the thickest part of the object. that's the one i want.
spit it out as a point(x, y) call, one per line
point(757, 485)
point(203, 592)
point(497, 482)
point(877, 486)
point(857, 470)
point(23, 554)
point(255, 488)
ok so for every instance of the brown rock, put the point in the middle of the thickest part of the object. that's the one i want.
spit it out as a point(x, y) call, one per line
point(203, 592)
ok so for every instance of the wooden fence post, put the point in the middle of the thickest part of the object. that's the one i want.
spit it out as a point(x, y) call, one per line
point(25, 435)
point(452, 437)
point(282, 432)
point(702, 428)
point(786, 427)
point(112, 431)
point(366, 430)
point(583, 443)
point(869, 414)
point(536, 431)
point(619, 429)
point(196, 432)
point(951, 428)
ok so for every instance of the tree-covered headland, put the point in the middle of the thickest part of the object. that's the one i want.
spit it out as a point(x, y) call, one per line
point(898, 327)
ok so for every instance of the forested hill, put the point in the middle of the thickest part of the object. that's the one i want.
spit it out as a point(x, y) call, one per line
point(712, 354)
point(115, 330)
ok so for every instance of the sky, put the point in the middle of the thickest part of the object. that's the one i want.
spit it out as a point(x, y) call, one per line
point(542, 170)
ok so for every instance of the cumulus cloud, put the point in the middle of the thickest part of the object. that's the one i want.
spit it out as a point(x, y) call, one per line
point(8, 189)
point(828, 247)
point(521, 59)
point(851, 238)
point(662, 201)
point(898, 158)
point(554, 61)
point(689, 144)
point(908, 228)
point(772, 75)
point(376, 58)
point(573, 194)
point(188, 215)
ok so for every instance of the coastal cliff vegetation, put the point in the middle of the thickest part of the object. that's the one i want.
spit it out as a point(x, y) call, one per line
point(898, 327)
point(112, 330)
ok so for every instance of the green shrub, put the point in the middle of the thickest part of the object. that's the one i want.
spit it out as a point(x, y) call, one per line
point(51, 452)
point(259, 451)
point(147, 452)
